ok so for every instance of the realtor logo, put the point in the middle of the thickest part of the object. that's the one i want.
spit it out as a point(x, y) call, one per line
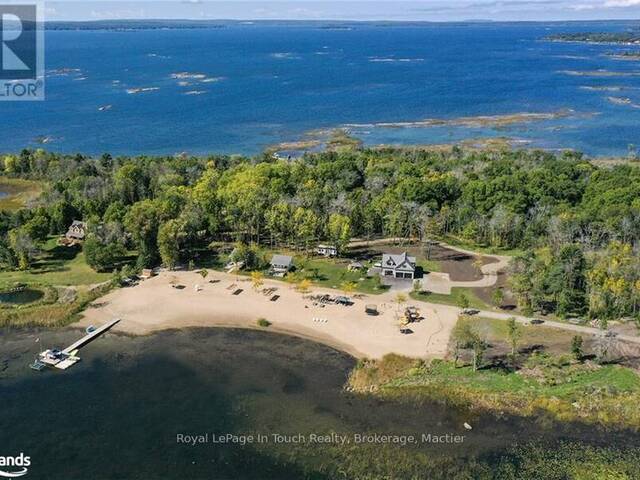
point(21, 52)
point(14, 466)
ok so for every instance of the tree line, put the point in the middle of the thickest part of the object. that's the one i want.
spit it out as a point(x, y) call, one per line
point(576, 224)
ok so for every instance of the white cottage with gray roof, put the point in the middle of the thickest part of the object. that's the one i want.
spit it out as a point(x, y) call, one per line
point(398, 266)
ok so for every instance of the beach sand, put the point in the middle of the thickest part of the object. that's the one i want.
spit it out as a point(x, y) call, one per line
point(155, 305)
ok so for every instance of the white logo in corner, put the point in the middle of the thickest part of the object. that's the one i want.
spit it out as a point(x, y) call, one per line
point(14, 467)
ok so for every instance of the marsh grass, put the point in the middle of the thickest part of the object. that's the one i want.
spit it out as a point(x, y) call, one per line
point(607, 395)
point(51, 313)
point(20, 192)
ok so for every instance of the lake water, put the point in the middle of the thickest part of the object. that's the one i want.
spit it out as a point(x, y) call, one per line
point(116, 414)
point(241, 88)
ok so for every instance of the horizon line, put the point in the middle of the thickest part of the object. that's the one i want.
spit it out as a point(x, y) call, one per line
point(342, 20)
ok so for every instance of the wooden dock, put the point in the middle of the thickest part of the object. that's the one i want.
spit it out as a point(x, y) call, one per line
point(89, 337)
point(63, 359)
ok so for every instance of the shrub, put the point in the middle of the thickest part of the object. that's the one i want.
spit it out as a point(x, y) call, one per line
point(263, 322)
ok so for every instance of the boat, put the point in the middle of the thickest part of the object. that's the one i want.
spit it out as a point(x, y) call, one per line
point(37, 365)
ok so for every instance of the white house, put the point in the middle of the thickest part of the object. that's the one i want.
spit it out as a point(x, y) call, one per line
point(327, 250)
point(398, 266)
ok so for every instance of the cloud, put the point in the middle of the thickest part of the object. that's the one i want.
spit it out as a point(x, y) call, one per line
point(426, 10)
point(621, 3)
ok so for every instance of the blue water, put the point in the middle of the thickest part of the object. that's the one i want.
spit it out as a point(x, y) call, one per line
point(270, 83)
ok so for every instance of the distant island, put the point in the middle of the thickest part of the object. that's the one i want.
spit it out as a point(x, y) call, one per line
point(622, 38)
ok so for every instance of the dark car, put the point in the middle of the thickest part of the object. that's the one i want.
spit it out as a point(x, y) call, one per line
point(537, 321)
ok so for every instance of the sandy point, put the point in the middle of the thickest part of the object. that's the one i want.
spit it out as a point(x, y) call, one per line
point(155, 305)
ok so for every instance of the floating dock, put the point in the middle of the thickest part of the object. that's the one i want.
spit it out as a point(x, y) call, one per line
point(63, 359)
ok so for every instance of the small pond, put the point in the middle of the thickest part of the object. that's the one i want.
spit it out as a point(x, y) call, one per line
point(21, 297)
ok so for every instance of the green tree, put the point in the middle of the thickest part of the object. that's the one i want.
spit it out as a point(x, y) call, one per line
point(339, 230)
point(169, 235)
point(576, 348)
point(515, 334)
point(142, 221)
point(257, 280)
point(38, 227)
point(101, 256)
point(348, 287)
point(465, 336)
point(129, 183)
point(497, 297)
point(23, 247)
point(61, 215)
point(463, 300)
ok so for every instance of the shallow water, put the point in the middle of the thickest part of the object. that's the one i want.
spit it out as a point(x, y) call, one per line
point(116, 414)
point(21, 297)
point(132, 92)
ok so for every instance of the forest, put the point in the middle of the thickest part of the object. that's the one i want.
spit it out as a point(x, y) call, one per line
point(572, 224)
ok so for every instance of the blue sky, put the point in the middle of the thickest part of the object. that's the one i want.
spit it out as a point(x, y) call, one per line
point(426, 10)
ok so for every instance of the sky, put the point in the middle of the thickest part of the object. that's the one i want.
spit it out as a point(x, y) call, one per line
point(416, 10)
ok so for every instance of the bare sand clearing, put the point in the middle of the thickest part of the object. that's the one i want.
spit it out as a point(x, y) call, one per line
point(155, 305)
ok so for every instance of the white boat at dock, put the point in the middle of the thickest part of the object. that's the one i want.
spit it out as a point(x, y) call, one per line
point(63, 359)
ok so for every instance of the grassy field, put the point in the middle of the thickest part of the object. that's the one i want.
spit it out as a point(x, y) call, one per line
point(467, 245)
point(495, 331)
point(19, 191)
point(569, 391)
point(568, 384)
point(56, 265)
point(332, 273)
point(428, 265)
point(323, 272)
point(453, 299)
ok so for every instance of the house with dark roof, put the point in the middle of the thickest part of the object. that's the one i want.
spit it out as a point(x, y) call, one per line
point(398, 266)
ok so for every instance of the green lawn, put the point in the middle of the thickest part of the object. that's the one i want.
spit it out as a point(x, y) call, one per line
point(453, 299)
point(323, 272)
point(468, 245)
point(331, 273)
point(428, 265)
point(57, 265)
point(498, 331)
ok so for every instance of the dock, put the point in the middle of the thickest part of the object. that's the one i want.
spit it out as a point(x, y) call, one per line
point(89, 337)
point(63, 359)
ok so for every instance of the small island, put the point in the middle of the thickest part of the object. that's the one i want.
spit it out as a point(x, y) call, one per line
point(618, 38)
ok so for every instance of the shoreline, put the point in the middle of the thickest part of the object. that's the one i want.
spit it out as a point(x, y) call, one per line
point(348, 329)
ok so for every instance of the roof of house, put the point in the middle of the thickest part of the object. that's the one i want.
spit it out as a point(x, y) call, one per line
point(76, 229)
point(282, 260)
point(402, 261)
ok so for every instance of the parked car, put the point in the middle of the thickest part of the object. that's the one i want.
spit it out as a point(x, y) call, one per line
point(537, 321)
point(470, 311)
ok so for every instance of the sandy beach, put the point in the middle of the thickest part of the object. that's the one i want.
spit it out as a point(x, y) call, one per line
point(155, 305)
